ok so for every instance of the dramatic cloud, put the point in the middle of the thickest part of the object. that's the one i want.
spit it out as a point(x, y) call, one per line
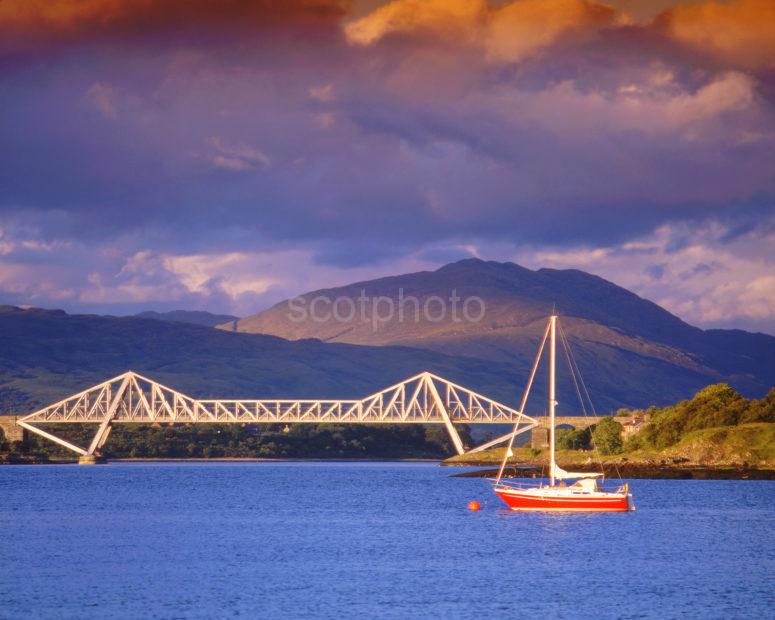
point(439, 17)
point(109, 276)
point(520, 28)
point(740, 32)
point(508, 33)
point(211, 154)
point(26, 25)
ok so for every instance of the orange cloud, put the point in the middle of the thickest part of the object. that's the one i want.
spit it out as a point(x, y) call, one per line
point(27, 24)
point(519, 28)
point(509, 33)
point(451, 18)
point(741, 31)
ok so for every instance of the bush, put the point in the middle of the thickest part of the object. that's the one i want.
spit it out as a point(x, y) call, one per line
point(636, 442)
point(716, 405)
point(760, 410)
point(573, 439)
point(607, 436)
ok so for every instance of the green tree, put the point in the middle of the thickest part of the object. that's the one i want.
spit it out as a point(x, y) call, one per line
point(607, 436)
point(573, 439)
point(714, 405)
point(760, 410)
point(437, 437)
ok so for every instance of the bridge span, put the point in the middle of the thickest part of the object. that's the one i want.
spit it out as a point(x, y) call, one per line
point(425, 398)
point(131, 398)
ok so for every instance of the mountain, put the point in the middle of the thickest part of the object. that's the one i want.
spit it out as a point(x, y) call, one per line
point(195, 317)
point(46, 355)
point(631, 351)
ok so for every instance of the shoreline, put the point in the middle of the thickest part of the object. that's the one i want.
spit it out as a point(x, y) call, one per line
point(525, 470)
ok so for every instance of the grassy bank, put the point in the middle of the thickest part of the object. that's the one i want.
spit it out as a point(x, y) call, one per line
point(745, 446)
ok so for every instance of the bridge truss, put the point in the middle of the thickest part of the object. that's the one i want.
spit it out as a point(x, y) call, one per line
point(131, 398)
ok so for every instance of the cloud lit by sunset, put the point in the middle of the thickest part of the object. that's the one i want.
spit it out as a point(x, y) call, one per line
point(160, 154)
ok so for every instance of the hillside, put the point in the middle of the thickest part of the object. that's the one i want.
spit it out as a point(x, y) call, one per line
point(46, 355)
point(195, 317)
point(631, 351)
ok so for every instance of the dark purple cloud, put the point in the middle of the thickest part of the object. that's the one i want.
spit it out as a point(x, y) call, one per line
point(192, 129)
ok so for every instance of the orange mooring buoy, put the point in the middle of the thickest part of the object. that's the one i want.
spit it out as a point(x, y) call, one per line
point(474, 505)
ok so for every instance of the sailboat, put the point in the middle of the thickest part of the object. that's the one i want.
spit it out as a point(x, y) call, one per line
point(585, 494)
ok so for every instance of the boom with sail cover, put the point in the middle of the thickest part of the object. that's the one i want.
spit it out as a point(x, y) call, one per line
point(560, 474)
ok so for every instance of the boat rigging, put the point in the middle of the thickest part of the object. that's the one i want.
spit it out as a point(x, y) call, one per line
point(586, 493)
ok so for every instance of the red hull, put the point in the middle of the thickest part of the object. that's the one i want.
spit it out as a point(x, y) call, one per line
point(608, 502)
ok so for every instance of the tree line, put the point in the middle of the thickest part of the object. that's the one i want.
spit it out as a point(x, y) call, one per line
point(713, 406)
point(251, 441)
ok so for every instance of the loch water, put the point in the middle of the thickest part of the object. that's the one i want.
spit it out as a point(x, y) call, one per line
point(369, 540)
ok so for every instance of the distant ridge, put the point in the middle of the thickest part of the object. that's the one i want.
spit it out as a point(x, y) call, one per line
point(194, 317)
point(629, 348)
point(46, 355)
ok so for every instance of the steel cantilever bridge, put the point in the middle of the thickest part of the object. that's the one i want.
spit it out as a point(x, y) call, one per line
point(131, 398)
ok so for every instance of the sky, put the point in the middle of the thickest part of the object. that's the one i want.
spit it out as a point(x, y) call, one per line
point(223, 156)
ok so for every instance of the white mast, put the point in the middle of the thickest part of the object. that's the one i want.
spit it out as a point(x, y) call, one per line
point(552, 402)
point(524, 402)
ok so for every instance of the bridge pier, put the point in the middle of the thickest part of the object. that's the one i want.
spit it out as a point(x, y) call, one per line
point(539, 438)
point(11, 430)
point(91, 459)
